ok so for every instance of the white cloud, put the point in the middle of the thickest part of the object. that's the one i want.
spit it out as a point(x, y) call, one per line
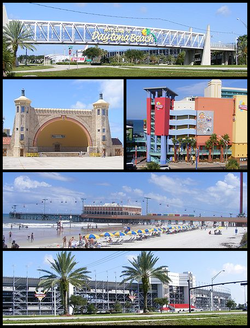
point(80, 105)
point(196, 89)
point(113, 92)
point(47, 259)
point(54, 176)
point(143, 9)
point(127, 189)
point(224, 192)
point(82, 4)
point(224, 11)
point(237, 269)
point(23, 183)
point(172, 185)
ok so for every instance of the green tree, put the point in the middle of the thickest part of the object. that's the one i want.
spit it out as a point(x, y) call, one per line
point(232, 164)
point(209, 145)
point(91, 308)
point(242, 50)
point(92, 52)
point(152, 166)
point(77, 303)
point(223, 143)
point(128, 305)
point(143, 270)
point(175, 142)
point(161, 302)
point(17, 35)
point(214, 141)
point(63, 275)
point(134, 55)
point(117, 307)
point(180, 58)
point(8, 59)
point(231, 304)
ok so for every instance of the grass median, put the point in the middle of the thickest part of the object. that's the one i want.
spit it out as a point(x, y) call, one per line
point(124, 71)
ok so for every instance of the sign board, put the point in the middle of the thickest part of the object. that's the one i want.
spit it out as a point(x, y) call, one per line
point(205, 122)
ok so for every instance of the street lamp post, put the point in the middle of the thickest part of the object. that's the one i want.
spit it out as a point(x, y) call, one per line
point(242, 22)
point(212, 280)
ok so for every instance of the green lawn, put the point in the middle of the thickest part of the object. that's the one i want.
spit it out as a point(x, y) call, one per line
point(226, 319)
point(99, 71)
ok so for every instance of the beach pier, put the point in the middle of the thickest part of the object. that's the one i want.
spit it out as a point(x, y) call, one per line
point(45, 217)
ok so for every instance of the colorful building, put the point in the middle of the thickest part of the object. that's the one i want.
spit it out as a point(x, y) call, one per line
point(181, 129)
point(113, 209)
point(239, 138)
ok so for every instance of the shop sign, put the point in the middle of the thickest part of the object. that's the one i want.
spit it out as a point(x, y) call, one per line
point(124, 35)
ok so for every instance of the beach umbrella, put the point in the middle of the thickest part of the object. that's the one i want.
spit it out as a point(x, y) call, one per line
point(154, 229)
point(106, 234)
point(92, 236)
point(132, 232)
point(147, 230)
point(120, 234)
point(140, 231)
point(159, 229)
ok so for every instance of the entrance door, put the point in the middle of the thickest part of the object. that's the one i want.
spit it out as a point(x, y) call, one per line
point(4, 152)
point(117, 152)
point(57, 147)
point(21, 152)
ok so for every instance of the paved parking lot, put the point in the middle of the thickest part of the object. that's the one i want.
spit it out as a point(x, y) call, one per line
point(62, 163)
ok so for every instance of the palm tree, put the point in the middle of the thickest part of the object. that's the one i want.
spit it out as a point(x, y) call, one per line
point(63, 276)
point(224, 141)
point(214, 141)
point(209, 146)
point(17, 35)
point(7, 59)
point(175, 141)
point(143, 270)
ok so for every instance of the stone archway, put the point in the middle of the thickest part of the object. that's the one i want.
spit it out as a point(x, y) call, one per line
point(62, 134)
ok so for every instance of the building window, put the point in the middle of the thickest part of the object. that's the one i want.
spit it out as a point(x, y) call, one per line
point(103, 138)
point(17, 109)
point(22, 128)
point(22, 137)
point(98, 111)
point(22, 109)
point(103, 112)
point(103, 130)
point(98, 130)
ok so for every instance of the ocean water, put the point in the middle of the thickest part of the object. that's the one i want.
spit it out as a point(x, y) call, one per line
point(138, 126)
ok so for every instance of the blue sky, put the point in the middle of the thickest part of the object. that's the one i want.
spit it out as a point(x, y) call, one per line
point(206, 193)
point(179, 16)
point(203, 264)
point(79, 94)
point(136, 95)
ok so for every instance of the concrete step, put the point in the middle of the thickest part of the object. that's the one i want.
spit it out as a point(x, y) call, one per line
point(62, 154)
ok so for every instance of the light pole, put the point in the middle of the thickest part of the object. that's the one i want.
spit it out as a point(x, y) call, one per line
point(242, 22)
point(44, 203)
point(212, 280)
point(55, 288)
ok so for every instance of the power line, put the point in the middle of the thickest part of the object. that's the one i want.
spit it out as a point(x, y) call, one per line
point(129, 17)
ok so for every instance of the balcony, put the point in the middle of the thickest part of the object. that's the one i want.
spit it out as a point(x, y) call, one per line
point(182, 122)
point(182, 132)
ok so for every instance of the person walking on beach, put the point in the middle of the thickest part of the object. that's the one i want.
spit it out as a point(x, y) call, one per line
point(236, 231)
point(32, 237)
point(10, 234)
point(80, 238)
point(86, 242)
point(64, 241)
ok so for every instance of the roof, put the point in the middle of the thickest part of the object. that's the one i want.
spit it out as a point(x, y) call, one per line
point(181, 306)
point(6, 140)
point(116, 142)
point(172, 93)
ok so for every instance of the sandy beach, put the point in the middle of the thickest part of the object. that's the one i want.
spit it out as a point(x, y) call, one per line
point(198, 238)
